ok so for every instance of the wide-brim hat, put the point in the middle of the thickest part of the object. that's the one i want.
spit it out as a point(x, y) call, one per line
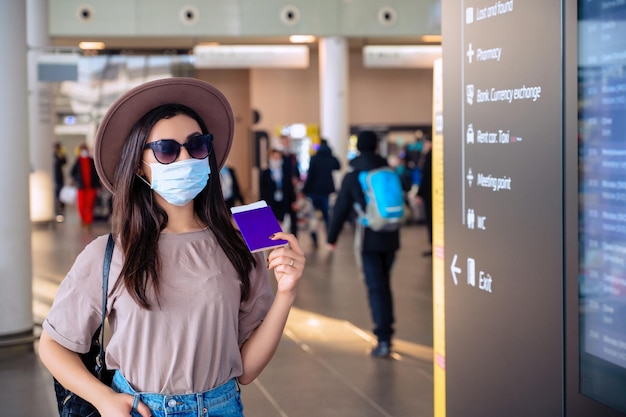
point(203, 98)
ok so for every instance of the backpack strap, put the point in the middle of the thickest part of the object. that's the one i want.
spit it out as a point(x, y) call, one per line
point(108, 254)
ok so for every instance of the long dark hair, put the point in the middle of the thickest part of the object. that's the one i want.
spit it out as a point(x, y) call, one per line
point(138, 219)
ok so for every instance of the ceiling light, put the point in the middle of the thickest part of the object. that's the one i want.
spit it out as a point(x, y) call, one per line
point(91, 46)
point(400, 56)
point(431, 38)
point(251, 56)
point(302, 39)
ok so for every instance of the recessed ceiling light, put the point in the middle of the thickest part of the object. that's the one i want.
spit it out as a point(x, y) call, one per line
point(91, 46)
point(302, 38)
point(431, 38)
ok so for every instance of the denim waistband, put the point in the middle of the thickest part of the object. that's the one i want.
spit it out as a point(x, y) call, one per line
point(177, 403)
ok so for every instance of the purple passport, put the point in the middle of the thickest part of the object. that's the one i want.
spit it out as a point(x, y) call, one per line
point(257, 223)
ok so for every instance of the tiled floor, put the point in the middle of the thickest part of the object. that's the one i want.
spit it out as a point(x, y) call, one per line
point(322, 367)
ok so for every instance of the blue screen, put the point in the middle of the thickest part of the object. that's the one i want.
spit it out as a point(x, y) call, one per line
point(602, 197)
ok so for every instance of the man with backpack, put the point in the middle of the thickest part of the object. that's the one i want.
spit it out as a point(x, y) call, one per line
point(379, 241)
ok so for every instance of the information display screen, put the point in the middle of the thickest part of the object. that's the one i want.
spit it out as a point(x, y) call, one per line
point(502, 162)
point(602, 222)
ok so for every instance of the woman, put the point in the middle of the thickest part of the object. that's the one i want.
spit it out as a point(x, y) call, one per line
point(87, 183)
point(191, 310)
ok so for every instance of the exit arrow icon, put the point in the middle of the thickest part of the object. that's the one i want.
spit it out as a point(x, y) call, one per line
point(455, 270)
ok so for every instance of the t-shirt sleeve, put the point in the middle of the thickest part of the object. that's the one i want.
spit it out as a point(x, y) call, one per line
point(76, 311)
point(253, 310)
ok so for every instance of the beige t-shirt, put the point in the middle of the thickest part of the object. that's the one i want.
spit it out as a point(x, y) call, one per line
point(188, 344)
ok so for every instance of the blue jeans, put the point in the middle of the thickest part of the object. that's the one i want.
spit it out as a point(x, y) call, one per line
point(222, 401)
point(377, 271)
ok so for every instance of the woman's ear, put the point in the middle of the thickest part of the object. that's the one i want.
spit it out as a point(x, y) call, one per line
point(144, 172)
point(139, 170)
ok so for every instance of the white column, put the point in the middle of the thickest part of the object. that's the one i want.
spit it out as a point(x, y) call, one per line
point(333, 70)
point(16, 315)
point(40, 123)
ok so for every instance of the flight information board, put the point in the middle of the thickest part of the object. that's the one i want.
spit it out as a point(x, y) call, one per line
point(602, 191)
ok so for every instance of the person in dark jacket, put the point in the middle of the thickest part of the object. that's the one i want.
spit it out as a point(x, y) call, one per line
point(276, 187)
point(425, 193)
point(378, 248)
point(291, 170)
point(59, 160)
point(230, 186)
point(319, 182)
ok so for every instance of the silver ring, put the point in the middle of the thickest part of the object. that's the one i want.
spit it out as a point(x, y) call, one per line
point(292, 262)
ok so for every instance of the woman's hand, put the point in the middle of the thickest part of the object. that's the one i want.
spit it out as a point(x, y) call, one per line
point(287, 262)
point(119, 404)
point(68, 368)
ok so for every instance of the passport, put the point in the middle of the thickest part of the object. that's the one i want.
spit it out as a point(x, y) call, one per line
point(256, 222)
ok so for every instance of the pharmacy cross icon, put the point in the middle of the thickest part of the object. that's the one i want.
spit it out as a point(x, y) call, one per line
point(470, 53)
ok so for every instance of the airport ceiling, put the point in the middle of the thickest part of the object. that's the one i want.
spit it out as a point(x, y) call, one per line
point(146, 26)
point(155, 45)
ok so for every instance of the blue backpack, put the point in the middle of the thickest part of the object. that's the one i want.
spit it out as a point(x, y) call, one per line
point(384, 199)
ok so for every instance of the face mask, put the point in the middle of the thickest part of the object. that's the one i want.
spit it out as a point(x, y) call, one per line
point(275, 163)
point(180, 182)
point(84, 153)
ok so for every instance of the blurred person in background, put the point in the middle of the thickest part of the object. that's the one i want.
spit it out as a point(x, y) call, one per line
point(291, 169)
point(319, 182)
point(277, 189)
point(230, 186)
point(425, 192)
point(291, 158)
point(59, 160)
point(87, 183)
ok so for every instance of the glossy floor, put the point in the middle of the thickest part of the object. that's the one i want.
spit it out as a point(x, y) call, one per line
point(322, 367)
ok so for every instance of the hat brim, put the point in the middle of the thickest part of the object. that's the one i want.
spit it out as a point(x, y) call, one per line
point(114, 130)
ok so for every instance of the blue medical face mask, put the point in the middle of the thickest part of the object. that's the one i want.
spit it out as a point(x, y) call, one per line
point(181, 181)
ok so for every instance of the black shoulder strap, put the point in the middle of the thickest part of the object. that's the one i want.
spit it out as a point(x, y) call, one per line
point(108, 254)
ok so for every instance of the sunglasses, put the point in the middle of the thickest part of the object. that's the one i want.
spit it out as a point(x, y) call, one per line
point(167, 151)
